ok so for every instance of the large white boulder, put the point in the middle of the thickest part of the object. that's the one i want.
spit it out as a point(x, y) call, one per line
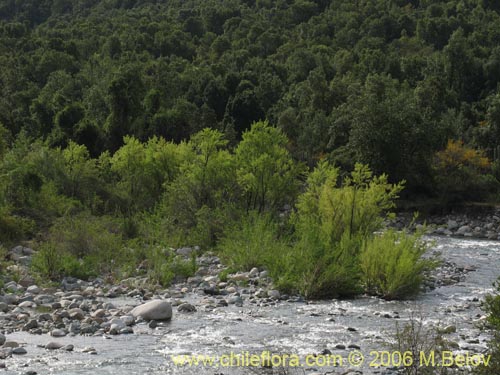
point(153, 310)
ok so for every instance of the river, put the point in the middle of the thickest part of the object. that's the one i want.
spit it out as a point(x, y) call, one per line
point(297, 329)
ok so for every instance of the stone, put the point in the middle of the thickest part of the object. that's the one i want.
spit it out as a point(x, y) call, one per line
point(4, 307)
point(186, 307)
point(2, 339)
point(185, 251)
point(19, 351)
point(5, 353)
point(53, 345)
point(464, 229)
point(100, 313)
point(273, 294)
point(153, 310)
point(10, 344)
point(89, 350)
point(452, 225)
point(128, 319)
point(254, 272)
point(57, 333)
point(30, 325)
point(68, 348)
point(27, 304)
point(76, 313)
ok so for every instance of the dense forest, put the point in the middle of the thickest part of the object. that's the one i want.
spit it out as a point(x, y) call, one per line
point(388, 83)
point(130, 126)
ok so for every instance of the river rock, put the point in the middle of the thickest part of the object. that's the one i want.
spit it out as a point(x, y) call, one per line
point(254, 272)
point(4, 307)
point(76, 313)
point(57, 333)
point(128, 319)
point(33, 289)
point(273, 294)
point(10, 344)
point(2, 339)
point(19, 351)
point(186, 307)
point(30, 325)
point(452, 225)
point(5, 353)
point(89, 350)
point(53, 345)
point(153, 310)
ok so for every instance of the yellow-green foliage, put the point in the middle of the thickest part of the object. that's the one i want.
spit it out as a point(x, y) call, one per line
point(331, 222)
point(463, 173)
point(252, 242)
point(266, 172)
point(392, 264)
point(456, 155)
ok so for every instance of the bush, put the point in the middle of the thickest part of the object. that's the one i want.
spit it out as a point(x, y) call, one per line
point(415, 338)
point(252, 242)
point(492, 307)
point(463, 173)
point(13, 228)
point(87, 246)
point(53, 263)
point(331, 223)
point(392, 264)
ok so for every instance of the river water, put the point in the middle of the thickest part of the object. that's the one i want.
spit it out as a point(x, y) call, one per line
point(298, 329)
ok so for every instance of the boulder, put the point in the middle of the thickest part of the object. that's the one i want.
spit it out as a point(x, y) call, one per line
point(153, 310)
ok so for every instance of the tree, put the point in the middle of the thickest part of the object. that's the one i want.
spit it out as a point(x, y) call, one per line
point(266, 171)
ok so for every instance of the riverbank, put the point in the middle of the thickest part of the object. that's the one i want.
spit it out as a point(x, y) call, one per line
point(473, 221)
point(47, 322)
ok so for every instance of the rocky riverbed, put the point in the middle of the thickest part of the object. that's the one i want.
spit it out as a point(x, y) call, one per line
point(481, 224)
point(92, 327)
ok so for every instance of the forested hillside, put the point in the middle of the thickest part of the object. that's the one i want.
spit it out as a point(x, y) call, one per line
point(384, 82)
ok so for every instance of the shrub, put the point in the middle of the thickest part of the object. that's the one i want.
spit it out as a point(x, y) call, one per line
point(251, 242)
point(492, 307)
point(331, 223)
point(463, 173)
point(392, 264)
point(414, 338)
point(95, 242)
point(52, 263)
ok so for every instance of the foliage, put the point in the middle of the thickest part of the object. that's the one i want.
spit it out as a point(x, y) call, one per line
point(328, 255)
point(492, 307)
point(366, 82)
point(416, 337)
point(251, 242)
point(266, 171)
point(392, 264)
point(462, 173)
point(81, 246)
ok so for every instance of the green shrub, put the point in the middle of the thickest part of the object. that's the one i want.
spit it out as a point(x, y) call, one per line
point(414, 338)
point(392, 264)
point(13, 228)
point(252, 242)
point(48, 262)
point(94, 242)
point(492, 307)
point(331, 223)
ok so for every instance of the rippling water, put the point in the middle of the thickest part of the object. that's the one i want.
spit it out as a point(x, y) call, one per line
point(294, 328)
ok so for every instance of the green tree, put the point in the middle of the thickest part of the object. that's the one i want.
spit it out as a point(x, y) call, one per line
point(266, 172)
